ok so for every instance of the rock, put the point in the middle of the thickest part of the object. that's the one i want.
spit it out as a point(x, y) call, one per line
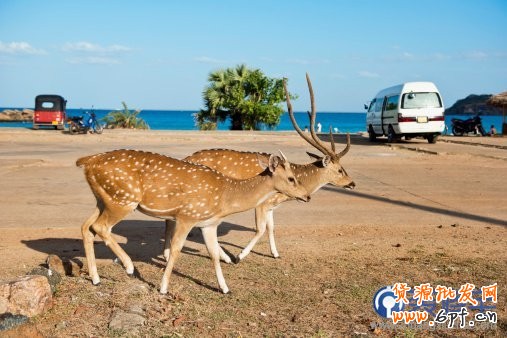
point(136, 309)
point(138, 289)
point(125, 321)
point(22, 331)
point(64, 267)
point(54, 278)
point(28, 295)
point(8, 321)
point(13, 115)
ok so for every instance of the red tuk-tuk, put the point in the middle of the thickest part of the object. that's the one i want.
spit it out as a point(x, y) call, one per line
point(49, 111)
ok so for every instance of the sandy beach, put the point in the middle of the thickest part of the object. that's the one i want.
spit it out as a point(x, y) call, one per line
point(420, 213)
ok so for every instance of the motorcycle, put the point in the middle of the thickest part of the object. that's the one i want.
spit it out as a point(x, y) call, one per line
point(80, 124)
point(473, 124)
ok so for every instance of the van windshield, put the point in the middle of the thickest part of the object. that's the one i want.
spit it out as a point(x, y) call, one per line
point(421, 100)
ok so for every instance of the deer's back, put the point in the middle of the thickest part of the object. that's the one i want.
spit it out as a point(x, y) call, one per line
point(157, 184)
point(232, 163)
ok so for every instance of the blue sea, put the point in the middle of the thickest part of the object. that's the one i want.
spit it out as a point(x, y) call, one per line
point(342, 122)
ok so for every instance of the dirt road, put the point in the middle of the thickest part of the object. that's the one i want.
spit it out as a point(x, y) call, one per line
point(420, 213)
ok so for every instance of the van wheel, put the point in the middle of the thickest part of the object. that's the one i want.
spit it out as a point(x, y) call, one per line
point(371, 134)
point(391, 135)
point(432, 139)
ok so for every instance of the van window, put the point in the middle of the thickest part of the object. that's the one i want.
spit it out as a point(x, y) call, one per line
point(378, 105)
point(392, 102)
point(372, 106)
point(421, 100)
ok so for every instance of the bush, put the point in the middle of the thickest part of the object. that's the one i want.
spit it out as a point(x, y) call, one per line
point(126, 119)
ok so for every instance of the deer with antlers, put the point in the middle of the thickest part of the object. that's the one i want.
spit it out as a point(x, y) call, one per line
point(167, 188)
point(239, 164)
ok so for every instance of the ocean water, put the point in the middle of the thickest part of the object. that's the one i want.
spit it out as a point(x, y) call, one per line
point(342, 122)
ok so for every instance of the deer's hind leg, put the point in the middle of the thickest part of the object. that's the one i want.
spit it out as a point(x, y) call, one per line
point(211, 241)
point(101, 223)
point(88, 236)
point(177, 235)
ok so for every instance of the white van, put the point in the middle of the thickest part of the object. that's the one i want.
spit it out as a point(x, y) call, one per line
point(411, 109)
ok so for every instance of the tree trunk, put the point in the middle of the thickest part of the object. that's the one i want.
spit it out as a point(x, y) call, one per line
point(236, 121)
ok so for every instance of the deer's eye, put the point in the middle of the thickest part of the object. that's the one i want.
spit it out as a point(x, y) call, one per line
point(340, 171)
point(292, 180)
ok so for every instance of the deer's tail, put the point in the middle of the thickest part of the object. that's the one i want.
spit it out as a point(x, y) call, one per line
point(83, 160)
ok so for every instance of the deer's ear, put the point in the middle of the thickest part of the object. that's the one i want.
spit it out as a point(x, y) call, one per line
point(269, 163)
point(326, 160)
point(314, 156)
point(274, 161)
point(282, 156)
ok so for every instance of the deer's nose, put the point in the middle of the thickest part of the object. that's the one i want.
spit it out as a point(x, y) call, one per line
point(306, 198)
point(350, 186)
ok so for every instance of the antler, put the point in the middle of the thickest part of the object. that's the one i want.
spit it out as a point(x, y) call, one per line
point(293, 120)
point(314, 141)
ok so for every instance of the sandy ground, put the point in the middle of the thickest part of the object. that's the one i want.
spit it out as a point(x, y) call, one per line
point(412, 201)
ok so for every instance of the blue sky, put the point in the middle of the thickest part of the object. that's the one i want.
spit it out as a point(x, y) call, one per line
point(157, 54)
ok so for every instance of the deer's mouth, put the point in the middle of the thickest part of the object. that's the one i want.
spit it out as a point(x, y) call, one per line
point(304, 199)
point(350, 186)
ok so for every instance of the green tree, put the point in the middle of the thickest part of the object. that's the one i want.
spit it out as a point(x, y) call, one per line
point(246, 97)
point(125, 118)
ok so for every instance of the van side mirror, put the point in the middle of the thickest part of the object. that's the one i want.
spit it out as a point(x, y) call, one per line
point(365, 106)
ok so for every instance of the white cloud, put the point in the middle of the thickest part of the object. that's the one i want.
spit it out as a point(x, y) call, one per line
point(93, 60)
point(476, 55)
point(439, 57)
point(365, 73)
point(407, 56)
point(20, 48)
point(308, 62)
point(207, 59)
point(89, 47)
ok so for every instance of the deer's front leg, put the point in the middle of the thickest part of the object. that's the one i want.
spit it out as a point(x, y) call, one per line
point(211, 240)
point(169, 228)
point(271, 233)
point(260, 225)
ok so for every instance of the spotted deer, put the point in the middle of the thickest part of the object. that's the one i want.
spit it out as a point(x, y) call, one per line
point(167, 188)
point(240, 164)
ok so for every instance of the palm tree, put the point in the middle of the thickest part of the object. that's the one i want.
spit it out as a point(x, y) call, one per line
point(125, 119)
point(247, 97)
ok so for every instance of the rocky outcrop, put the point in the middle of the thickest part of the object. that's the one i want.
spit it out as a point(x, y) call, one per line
point(27, 296)
point(16, 115)
point(473, 104)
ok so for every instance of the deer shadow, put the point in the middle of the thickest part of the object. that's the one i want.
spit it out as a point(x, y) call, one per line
point(416, 206)
point(145, 243)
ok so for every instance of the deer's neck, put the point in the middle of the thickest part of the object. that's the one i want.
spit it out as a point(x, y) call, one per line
point(241, 195)
point(310, 176)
